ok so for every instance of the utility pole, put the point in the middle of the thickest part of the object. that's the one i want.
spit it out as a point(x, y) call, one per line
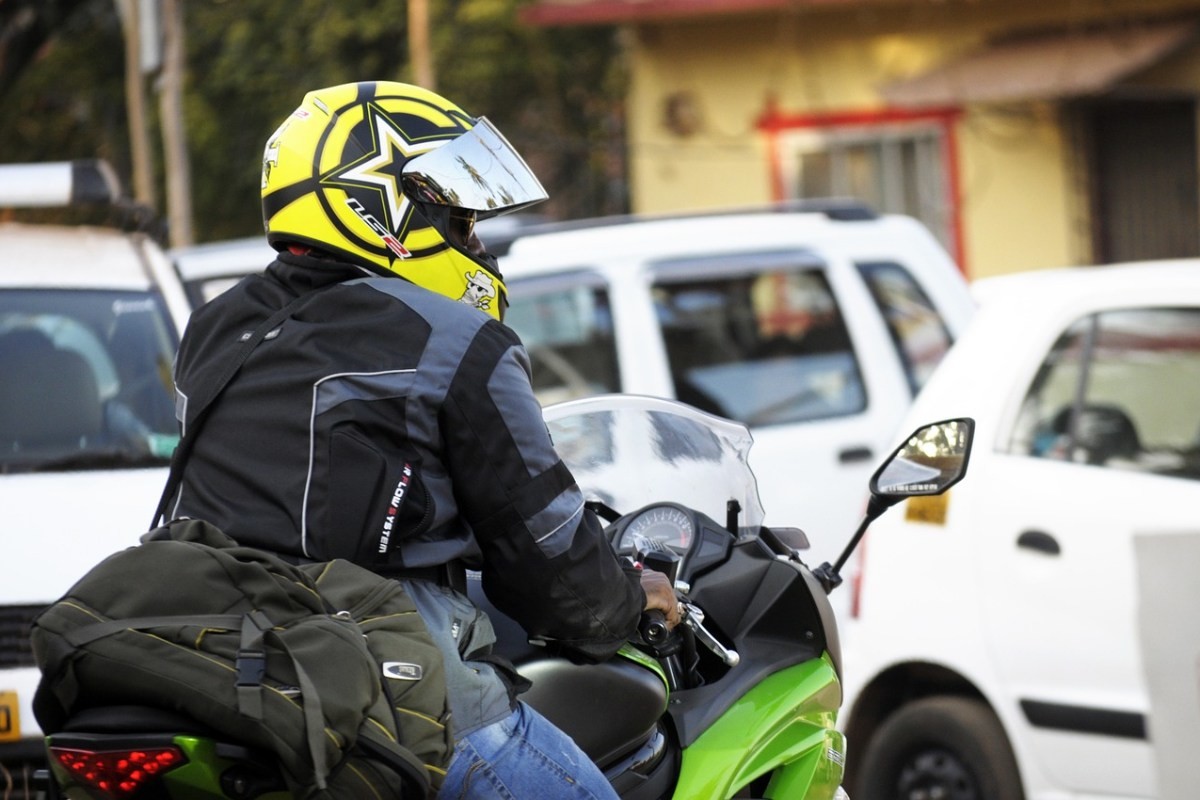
point(418, 45)
point(135, 103)
point(178, 170)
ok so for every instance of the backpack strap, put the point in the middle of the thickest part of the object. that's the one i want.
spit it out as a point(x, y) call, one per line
point(267, 330)
point(378, 745)
point(314, 715)
point(251, 664)
point(251, 661)
point(98, 630)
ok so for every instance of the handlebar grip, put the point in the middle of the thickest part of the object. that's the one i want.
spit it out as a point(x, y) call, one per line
point(653, 626)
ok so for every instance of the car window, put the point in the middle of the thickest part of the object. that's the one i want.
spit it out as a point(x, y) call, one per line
point(763, 346)
point(917, 329)
point(1119, 389)
point(566, 325)
point(87, 380)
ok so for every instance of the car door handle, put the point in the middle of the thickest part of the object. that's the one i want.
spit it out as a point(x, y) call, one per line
point(852, 455)
point(1039, 541)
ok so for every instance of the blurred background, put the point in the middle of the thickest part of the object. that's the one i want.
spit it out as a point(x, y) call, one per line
point(1024, 134)
point(103, 78)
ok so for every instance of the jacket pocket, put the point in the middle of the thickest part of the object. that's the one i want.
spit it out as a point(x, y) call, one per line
point(357, 477)
point(374, 503)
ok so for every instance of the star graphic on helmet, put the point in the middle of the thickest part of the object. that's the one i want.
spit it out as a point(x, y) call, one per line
point(381, 168)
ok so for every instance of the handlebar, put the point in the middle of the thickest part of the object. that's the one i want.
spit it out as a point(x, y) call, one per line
point(653, 627)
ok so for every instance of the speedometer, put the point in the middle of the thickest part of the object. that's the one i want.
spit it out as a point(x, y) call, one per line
point(665, 525)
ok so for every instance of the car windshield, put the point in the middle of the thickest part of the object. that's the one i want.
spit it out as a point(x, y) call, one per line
point(628, 451)
point(86, 380)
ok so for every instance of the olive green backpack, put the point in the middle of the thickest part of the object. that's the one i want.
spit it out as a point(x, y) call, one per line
point(329, 667)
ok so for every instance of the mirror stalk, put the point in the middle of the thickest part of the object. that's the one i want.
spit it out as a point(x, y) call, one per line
point(829, 575)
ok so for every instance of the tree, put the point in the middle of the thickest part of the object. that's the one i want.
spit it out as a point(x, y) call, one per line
point(556, 94)
point(25, 25)
point(62, 91)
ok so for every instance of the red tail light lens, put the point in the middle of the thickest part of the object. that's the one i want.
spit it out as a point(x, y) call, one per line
point(118, 773)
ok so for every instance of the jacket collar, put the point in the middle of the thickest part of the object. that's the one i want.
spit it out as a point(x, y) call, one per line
point(304, 273)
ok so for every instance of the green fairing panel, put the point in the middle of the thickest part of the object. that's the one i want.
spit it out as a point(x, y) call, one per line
point(784, 724)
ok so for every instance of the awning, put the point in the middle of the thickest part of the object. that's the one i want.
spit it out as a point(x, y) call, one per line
point(1067, 64)
point(547, 13)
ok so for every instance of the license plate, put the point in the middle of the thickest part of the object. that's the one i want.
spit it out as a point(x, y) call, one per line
point(10, 720)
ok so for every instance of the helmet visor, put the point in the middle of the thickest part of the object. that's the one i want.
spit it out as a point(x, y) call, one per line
point(479, 171)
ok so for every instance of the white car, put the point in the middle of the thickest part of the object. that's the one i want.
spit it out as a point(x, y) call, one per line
point(211, 268)
point(90, 318)
point(997, 653)
point(815, 327)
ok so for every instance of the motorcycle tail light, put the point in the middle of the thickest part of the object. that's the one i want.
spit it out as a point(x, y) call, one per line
point(118, 773)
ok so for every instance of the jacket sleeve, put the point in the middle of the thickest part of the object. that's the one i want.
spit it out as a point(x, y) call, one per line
point(547, 563)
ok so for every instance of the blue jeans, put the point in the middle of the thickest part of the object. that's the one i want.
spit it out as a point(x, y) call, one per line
point(522, 757)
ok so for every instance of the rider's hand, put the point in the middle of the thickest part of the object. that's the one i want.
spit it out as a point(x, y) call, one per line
point(660, 594)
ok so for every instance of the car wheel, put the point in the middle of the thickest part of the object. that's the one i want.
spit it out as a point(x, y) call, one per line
point(939, 748)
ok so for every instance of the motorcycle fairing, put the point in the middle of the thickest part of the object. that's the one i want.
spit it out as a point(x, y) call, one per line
point(784, 726)
point(774, 613)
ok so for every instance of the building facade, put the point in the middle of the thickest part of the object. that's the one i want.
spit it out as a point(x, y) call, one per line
point(1026, 134)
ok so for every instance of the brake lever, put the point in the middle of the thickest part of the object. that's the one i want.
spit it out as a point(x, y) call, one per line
point(693, 617)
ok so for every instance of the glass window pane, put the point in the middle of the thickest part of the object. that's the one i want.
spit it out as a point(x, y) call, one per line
point(1042, 428)
point(87, 379)
point(569, 335)
point(1142, 403)
point(917, 329)
point(764, 347)
point(1122, 390)
point(893, 168)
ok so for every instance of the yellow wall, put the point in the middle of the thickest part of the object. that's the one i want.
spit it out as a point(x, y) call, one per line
point(1019, 212)
point(724, 162)
point(1023, 201)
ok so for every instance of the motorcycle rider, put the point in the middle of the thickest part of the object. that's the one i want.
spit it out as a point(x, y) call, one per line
point(391, 420)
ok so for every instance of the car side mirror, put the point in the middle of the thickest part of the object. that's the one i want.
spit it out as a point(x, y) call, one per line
point(931, 460)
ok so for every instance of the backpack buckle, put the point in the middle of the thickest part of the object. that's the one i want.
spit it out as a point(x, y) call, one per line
point(251, 666)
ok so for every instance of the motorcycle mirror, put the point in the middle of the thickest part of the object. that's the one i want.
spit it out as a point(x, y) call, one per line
point(931, 460)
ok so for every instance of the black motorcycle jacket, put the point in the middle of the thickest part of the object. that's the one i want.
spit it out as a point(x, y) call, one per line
point(392, 426)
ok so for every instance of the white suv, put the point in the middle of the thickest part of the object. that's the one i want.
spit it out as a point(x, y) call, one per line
point(1008, 634)
point(90, 318)
point(813, 322)
point(815, 325)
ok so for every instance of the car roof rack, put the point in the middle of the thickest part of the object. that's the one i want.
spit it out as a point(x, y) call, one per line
point(74, 191)
point(59, 184)
point(838, 209)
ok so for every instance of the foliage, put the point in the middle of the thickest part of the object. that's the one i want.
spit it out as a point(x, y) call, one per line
point(69, 101)
point(555, 93)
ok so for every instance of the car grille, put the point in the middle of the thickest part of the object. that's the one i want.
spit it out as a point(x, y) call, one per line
point(15, 649)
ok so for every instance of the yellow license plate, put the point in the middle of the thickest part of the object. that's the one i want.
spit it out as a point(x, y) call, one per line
point(10, 718)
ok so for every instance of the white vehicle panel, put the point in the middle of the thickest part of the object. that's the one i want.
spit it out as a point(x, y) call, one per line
point(69, 496)
point(795, 463)
point(1027, 627)
point(80, 517)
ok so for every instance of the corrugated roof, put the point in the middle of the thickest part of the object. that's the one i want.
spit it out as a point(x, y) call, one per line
point(1046, 65)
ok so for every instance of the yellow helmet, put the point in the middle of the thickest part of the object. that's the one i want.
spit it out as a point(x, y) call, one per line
point(392, 177)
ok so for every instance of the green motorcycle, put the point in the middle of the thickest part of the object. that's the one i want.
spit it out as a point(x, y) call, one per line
point(741, 699)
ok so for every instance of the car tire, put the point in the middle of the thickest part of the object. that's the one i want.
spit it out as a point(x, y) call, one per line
point(949, 748)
